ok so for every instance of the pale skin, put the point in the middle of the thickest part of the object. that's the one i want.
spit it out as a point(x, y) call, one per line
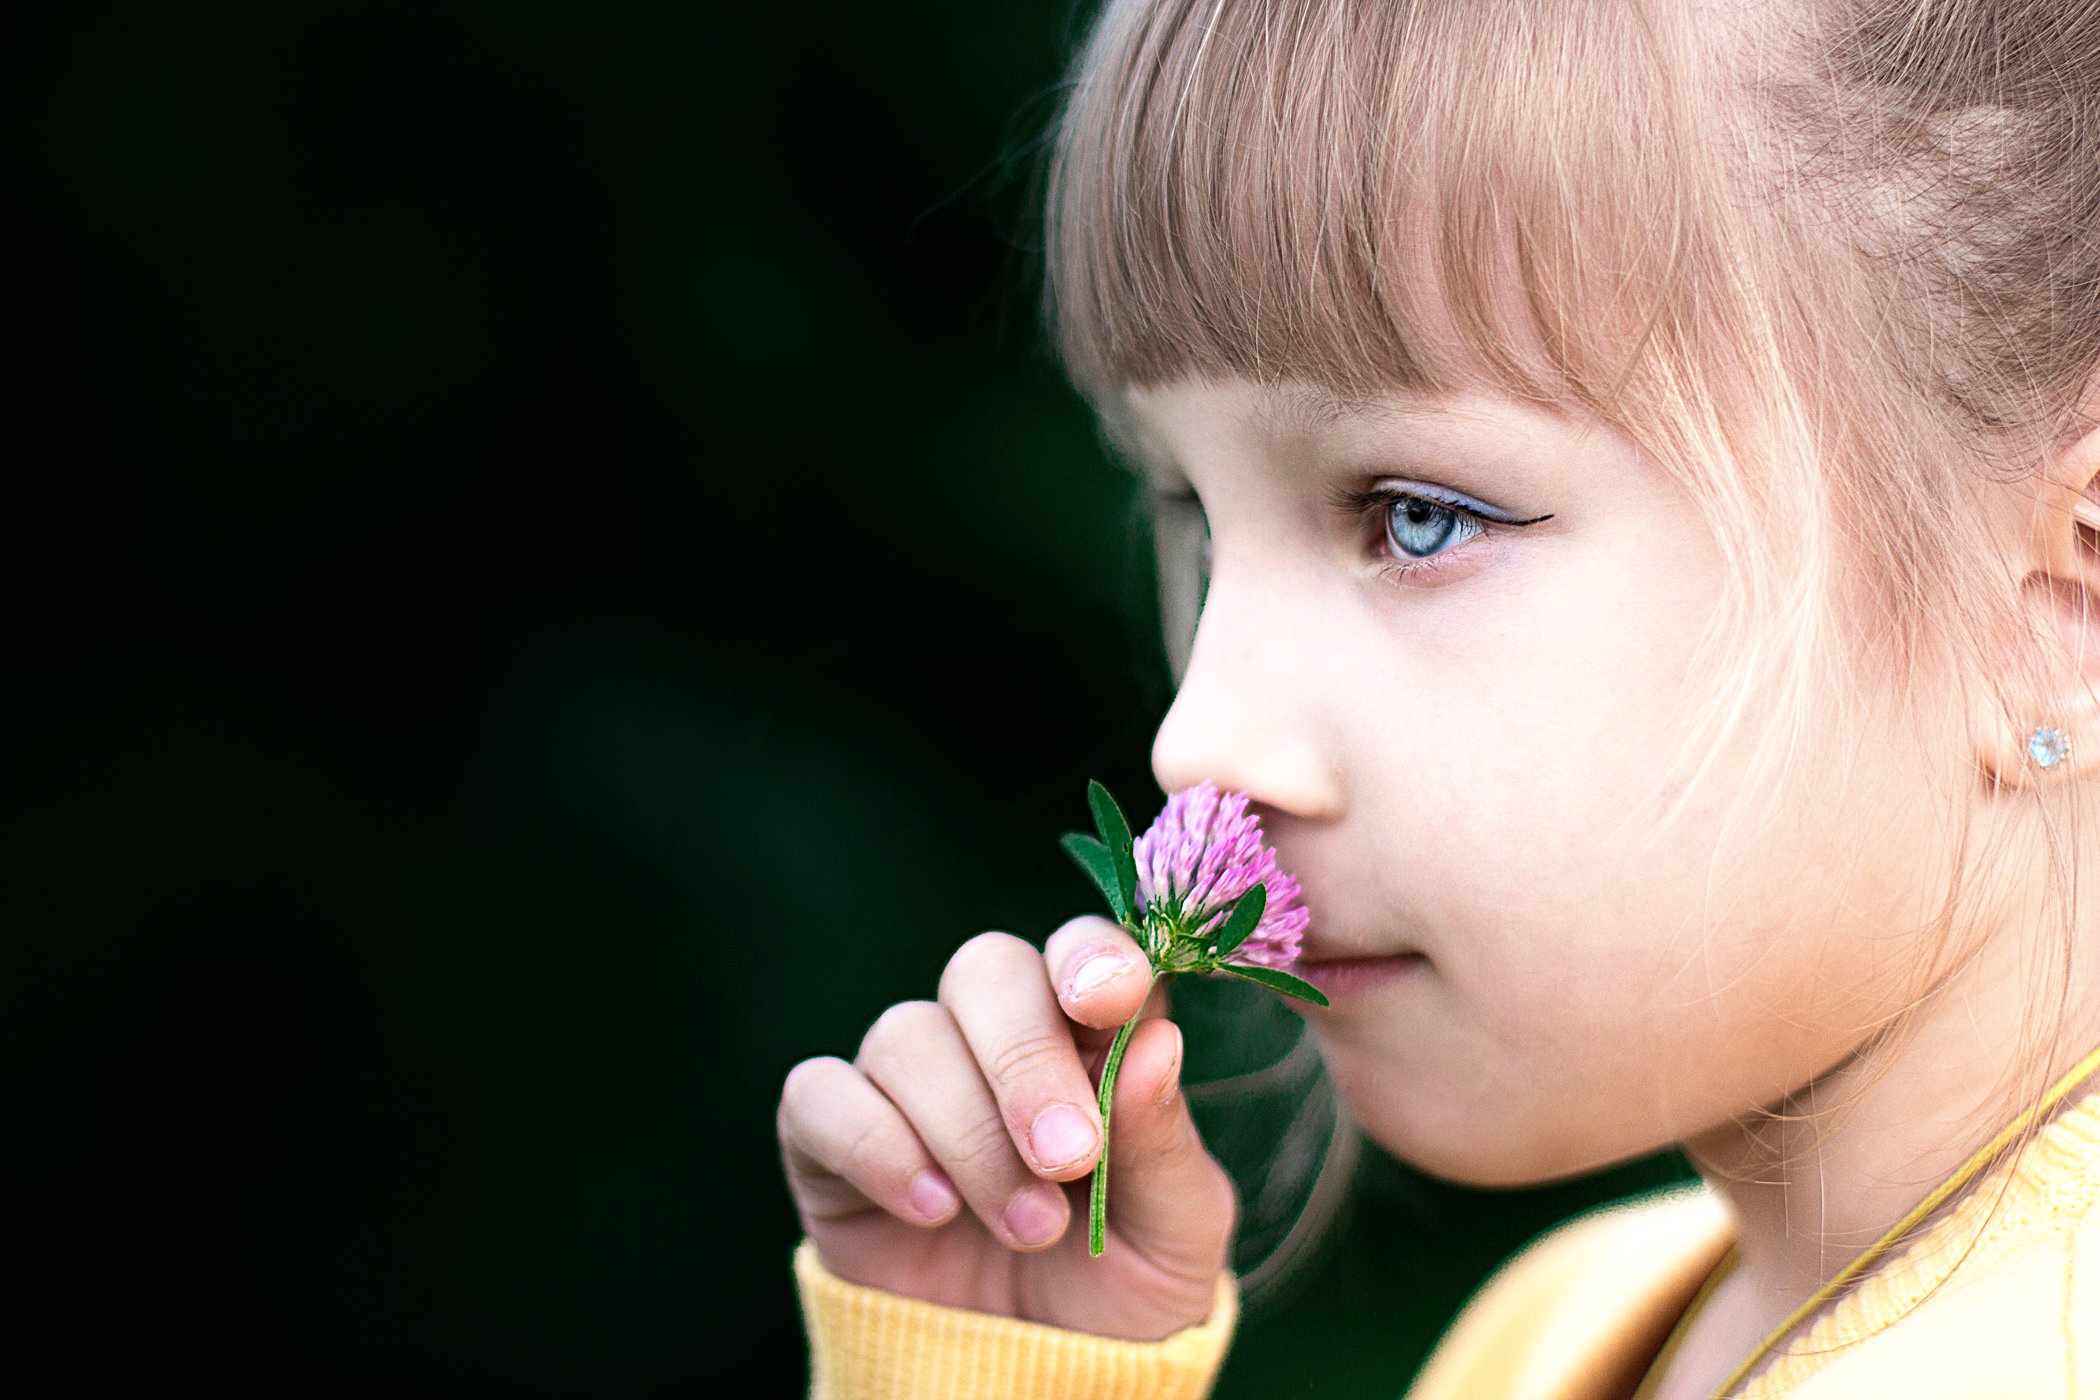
point(1461, 761)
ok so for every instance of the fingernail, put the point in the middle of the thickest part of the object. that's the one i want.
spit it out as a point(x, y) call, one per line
point(1171, 1085)
point(931, 1195)
point(1033, 1215)
point(1060, 1136)
point(1096, 970)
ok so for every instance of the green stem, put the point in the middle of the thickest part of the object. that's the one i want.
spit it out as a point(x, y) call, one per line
point(1097, 1203)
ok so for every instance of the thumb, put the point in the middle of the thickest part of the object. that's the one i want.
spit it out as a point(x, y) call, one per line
point(1168, 1199)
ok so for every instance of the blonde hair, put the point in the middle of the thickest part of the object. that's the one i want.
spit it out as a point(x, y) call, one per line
point(1833, 266)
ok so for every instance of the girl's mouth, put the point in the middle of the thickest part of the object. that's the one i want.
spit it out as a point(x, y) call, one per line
point(1343, 978)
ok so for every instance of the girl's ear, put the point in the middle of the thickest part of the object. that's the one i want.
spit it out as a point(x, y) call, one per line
point(2054, 668)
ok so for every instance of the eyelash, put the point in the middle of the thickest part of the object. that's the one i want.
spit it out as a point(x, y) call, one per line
point(1358, 504)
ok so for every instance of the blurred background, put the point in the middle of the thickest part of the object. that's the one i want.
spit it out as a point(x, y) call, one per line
point(553, 576)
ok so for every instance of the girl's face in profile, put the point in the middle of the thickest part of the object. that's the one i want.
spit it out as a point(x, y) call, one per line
point(1455, 729)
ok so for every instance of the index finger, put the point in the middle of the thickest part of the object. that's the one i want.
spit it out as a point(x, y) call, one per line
point(1098, 971)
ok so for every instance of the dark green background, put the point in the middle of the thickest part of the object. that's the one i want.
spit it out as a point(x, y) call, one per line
point(553, 577)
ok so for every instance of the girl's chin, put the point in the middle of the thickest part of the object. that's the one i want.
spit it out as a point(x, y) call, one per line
point(1477, 1146)
point(1479, 1163)
point(1401, 1099)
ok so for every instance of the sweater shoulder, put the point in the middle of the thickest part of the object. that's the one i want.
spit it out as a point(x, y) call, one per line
point(1584, 1302)
point(1683, 1216)
point(1640, 1241)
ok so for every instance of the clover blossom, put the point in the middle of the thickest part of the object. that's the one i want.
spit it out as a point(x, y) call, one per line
point(1200, 892)
point(1197, 859)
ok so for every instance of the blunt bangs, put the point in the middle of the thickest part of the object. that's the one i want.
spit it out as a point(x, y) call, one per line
point(1418, 196)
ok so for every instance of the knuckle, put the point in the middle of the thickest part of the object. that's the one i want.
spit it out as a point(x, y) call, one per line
point(904, 1023)
point(808, 1074)
point(983, 1147)
point(865, 1154)
point(1029, 1057)
point(804, 1082)
point(989, 950)
point(1090, 928)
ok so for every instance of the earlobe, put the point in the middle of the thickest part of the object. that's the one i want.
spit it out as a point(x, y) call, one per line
point(2057, 665)
point(2057, 749)
point(2044, 754)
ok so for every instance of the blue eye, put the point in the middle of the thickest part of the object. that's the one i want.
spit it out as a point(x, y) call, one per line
point(1416, 527)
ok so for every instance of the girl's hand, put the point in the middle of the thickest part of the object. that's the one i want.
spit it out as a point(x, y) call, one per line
point(949, 1160)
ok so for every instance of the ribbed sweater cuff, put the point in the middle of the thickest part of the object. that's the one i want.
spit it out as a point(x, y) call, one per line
point(869, 1344)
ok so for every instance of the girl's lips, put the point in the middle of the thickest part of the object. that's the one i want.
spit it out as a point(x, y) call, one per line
point(1349, 977)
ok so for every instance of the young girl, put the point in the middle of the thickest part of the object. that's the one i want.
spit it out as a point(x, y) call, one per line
point(1637, 465)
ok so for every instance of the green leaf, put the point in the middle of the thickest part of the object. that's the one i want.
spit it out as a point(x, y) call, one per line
point(1115, 834)
point(1246, 913)
point(1094, 859)
point(1275, 981)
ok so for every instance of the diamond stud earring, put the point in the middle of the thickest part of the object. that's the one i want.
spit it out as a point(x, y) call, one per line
point(2048, 747)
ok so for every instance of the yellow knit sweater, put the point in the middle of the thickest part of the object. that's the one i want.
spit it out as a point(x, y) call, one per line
point(1579, 1313)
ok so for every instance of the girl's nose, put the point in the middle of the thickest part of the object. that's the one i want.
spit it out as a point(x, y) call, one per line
point(1246, 715)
